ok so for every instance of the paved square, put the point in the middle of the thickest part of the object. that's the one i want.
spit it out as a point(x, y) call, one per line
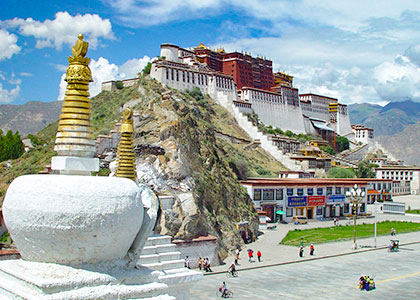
point(397, 276)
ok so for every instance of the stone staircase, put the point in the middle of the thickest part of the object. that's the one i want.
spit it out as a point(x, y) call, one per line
point(256, 135)
point(159, 254)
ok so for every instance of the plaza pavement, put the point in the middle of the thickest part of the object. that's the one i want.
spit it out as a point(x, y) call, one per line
point(273, 253)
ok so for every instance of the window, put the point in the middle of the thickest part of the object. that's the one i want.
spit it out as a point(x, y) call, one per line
point(279, 194)
point(257, 194)
point(289, 192)
point(362, 207)
point(268, 194)
point(319, 210)
point(329, 190)
point(346, 189)
point(300, 192)
point(319, 191)
point(338, 190)
point(289, 212)
point(346, 208)
point(310, 191)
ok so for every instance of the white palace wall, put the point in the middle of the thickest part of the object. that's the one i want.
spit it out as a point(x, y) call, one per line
point(188, 77)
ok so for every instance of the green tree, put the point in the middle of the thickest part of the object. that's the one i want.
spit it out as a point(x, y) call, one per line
point(147, 68)
point(330, 150)
point(338, 172)
point(119, 84)
point(1, 145)
point(11, 146)
point(365, 170)
point(342, 143)
point(18, 147)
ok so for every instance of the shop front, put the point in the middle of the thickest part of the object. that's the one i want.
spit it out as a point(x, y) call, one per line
point(299, 203)
point(334, 206)
point(312, 209)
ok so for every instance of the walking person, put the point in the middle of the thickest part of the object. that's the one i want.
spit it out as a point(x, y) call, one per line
point(311, 249)
point(301, 251)
point(259, 255)
point(187, 262)
point(200, 263)
point(208, 265)
point(250, 255)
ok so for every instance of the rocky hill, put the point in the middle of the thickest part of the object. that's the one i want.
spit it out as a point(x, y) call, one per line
point(387, 120)
point(30, 117)
point(202, 154)
point(396, 126)
point(404, 145)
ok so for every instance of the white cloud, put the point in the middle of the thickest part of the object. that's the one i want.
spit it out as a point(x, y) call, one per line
point(14, 80)
point(103, 70)
point(7, 96)
point(398, 80)
point(8, 45)
point(63, 29)
point(25, 74)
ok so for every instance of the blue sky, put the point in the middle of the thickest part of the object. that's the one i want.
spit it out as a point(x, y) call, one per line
point(358, 51)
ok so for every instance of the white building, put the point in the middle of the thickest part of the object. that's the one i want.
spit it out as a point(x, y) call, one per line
point(178, 69)
point(317, 107)
point(362, 134)
point(407, 174)
point(275, 109)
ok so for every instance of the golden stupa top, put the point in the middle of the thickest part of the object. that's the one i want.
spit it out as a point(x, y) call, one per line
point(78, 70)
point(127, 122)
point(80, 48)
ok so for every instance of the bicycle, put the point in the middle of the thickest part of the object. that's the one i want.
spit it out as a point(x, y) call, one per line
point(230, 274)
point(228, 294)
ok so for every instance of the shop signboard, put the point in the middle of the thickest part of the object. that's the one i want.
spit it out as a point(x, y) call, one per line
point(335, 199)
point(316, 200)
point(296, 201)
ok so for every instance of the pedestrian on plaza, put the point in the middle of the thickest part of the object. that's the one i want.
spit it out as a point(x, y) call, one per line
point(208, 265)
point(250, 255)
point(301, 251)
point(301, 241)
point(259, 255)
point(187, 262)
point(237, 252)
point(236, 259)
point(200, 263)
point(393, 232)
point(337, 222)
point(311, 249)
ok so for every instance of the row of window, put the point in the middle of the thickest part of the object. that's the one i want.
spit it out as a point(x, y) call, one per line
point(186, 76)
point(277, 194)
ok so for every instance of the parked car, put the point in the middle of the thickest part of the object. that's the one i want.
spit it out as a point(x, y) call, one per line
point(300, 220)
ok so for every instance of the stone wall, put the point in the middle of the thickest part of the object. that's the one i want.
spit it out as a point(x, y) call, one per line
point(204, 246)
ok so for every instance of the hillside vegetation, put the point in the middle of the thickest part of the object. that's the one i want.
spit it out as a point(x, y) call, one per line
point(205, 153)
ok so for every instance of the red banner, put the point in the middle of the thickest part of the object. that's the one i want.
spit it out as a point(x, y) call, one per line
point(316, 200)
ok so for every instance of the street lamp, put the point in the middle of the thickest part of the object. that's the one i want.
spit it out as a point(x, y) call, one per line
point(355, 196)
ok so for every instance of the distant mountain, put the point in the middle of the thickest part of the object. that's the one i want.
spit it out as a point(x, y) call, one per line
point(404, 145)
point(30, 117)
point(387, 120)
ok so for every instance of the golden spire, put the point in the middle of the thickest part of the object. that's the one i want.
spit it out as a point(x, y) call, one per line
point(126, 166)
point(74, 136)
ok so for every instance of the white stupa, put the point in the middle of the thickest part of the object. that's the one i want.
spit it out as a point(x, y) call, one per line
point(81, 236)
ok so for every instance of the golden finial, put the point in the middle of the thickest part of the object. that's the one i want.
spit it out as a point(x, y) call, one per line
point(74, 136)
point(126, 166)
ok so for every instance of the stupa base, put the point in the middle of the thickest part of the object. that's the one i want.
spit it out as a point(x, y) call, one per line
point(21, 279)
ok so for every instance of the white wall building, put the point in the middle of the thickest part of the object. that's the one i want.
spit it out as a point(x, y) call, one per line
point(274, 109)
point(362, 134)
point(410, 174)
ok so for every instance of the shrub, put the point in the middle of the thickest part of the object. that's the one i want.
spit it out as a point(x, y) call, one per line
point(119, 84)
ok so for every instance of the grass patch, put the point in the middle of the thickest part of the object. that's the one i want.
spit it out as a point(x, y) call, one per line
point(413, 211)
point(339, 233)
